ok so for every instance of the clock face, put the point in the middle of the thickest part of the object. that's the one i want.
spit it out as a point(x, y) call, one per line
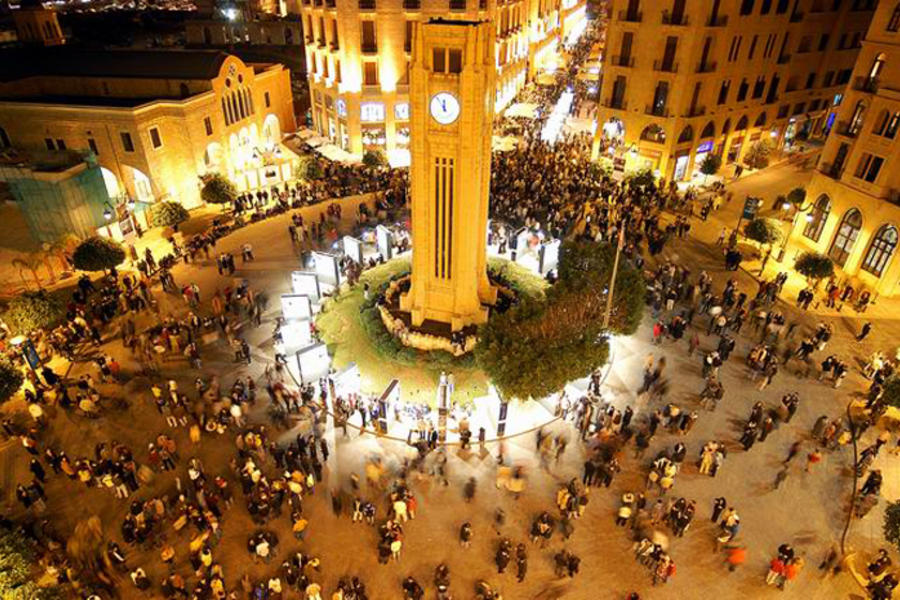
point(444, 108)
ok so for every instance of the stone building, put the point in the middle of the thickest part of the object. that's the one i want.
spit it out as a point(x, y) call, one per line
point(156, 120)
point(358, 56)
point(853, 201)
point(682, 79)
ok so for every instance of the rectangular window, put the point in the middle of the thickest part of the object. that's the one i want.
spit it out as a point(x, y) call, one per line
point(267, 99)
point(337, 70)
point(335, 41)
point(759, 87)
point(783, 110)
point(869, 167)
point(407, 41)
point(723, 91)
point(823, 42)
point(826, 81)
point(766, 7)
point(454, 61)
point(742, 90)
point(371, 112)
point(368, 37)
point(798, 108)
point(401, 111)
point(60, 144)
point(370, 73)
point(781, 7)
point(127, 144)
point(155, 140)
point(207, 125)
point(92, 144)
point(810, 80)
point(438, 58)
point(752, 47)
point(49, 143)
point(746, 7)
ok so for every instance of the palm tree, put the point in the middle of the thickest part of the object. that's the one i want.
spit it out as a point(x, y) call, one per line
point(30, 261)
point(46, 253)
point(63, 246)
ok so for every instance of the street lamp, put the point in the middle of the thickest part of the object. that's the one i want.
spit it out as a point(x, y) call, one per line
point(807, 216)
point(108, 212)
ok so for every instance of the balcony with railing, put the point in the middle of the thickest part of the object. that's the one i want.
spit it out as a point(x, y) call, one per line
point(330, 4)
point(784, 59)
point(666, 66)
point(706, 67)
point(412, 4)
point(622, 61)
point(717, 21)
point(335, 46)
point(696, 111)
point(321, 43)
point(843, 128)
point(631, 16)
point(670, 19)
point(366, 4)
point(867, 84)
point(656, 111)
point(458, 5)
point(616, 103)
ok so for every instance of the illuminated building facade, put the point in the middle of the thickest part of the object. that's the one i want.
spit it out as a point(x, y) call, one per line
point(156, 120)
point(358, 55)
point(682, 79)
point(853, 211)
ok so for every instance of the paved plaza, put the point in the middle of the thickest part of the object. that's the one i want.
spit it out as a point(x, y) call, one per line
point(807, 510)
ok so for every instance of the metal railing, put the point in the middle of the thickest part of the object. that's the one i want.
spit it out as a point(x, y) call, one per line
point(666, 66)
point(623, 61)
point(670, 19)
point(631, 16)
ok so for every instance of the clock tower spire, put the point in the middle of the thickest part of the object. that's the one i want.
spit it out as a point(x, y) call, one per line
point(452, 82)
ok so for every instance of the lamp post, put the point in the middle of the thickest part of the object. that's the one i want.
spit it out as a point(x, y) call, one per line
point(808, 217)
point(108, 212)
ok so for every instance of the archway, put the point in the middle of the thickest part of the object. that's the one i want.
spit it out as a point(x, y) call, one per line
point(708, 131)
point(143, 187)
point(614, 129)
point(113, 187)
point(845, 237)
point(271, 131)
point(741, 124)
point(687, 135)
point(213, 158)
point(760, 120)
point(654, 133)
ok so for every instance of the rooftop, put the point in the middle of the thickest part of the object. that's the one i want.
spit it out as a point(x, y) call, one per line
point(66, 61)
point(104, 101)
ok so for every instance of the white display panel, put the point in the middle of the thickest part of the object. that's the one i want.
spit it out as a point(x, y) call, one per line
point(327, 268)
point(347, 381)
point(549, 256)
point(353, 249)
point(384, 240)
point(296, 334)
point(296, 306)
point(313, 362)
point(306, 282)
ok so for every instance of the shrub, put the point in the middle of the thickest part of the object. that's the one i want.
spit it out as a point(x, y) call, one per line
point(18, 570)
point(34, 310)
point(218, 189)
point(797, 196)
point(891, 391)
point(643, 178)
point(98, 254)
point(711, 164)
point(11, 380)
point(169, 214)
point(891, 525)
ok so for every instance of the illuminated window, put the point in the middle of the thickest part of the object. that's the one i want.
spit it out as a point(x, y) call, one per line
point(401, 111)
point(372, 112)
point(127, 143)
point(818, 217)
point(881, 250)
point(155, 140)
point(370, 73)
point(845, 237)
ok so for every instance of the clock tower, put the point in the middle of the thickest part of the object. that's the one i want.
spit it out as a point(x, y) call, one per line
point(452, 82)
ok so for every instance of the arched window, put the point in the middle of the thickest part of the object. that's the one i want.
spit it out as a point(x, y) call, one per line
point(726, 127)
point(845, 237)
point(887, 124)
point(687, 134)
point(877, 66)
point(856, 120)
point(709, 130)
point(742, 124)
point(760, 120)
point(817, 218)
point(653, 133)
point(880, 250)
point(894, 22)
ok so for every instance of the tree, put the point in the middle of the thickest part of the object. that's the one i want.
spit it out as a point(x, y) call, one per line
point(538, 346)
point(814, 266)
point(643, 178)
point(30, 262)
point(892, 523)
point(710, 165)
point(218, 189)
point(18, 572)
point(797, 196)
point(758, 155)
point(11, 380)
point(765, 232)
point(374, 158)
point(34, 310)
point(169, 214)
point(890, 392)
point(62, 247)
point(98, 254)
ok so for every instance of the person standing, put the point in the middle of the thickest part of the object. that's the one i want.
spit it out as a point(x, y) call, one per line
point(812, 458)
point(465, 535)
point(718, 506)
point(864, 332)
point(521, 562)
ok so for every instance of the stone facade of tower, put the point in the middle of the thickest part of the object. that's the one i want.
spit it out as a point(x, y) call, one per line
point(452, 87)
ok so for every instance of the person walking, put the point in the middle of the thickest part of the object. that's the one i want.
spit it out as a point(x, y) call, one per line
point(521, 562)
point(812, 458)
point(469, 490)
point(864, 332)
point(718, 506)
point(465, 535)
